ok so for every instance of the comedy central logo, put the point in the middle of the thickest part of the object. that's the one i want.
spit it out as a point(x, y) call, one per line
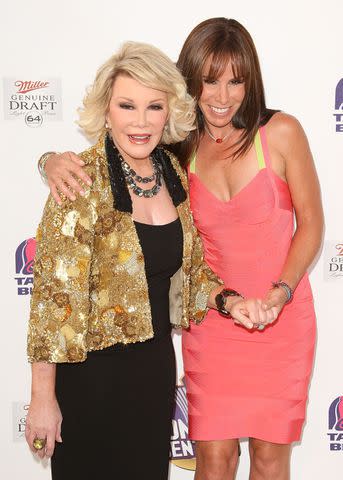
point(339, 106)
point(336, 425)
point(24, 260)
point(182, 449)
point(32, 100)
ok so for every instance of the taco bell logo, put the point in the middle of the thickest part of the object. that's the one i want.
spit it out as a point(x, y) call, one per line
point(339, 106)
point(182, 451)
point(336, 425)
point(24, 260)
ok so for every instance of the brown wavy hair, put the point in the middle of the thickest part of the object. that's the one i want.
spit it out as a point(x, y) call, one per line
point(226, 40)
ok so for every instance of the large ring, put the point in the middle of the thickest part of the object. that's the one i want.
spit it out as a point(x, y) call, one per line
point(39, 443)
point(261, 327)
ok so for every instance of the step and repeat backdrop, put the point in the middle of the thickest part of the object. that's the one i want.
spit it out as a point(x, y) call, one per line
point(50, 53)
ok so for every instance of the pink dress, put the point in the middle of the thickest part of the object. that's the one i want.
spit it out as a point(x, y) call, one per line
point(243, 383)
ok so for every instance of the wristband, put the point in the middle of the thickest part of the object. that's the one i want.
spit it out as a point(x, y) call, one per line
point(41, 164)
point(286, 288)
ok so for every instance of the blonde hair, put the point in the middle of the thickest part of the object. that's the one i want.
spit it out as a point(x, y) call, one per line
point(149, 66)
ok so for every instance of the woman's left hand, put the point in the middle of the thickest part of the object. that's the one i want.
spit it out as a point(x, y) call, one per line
point(274, 301)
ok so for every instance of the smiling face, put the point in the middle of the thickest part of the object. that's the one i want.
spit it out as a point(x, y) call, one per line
point(136, 116)
point(220, 98)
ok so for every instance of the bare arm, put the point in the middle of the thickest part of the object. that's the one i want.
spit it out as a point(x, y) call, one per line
point(44, 418)
point(290, 140)
point(64, 173)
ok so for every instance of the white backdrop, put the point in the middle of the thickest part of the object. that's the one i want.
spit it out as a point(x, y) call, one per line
point(62, 44)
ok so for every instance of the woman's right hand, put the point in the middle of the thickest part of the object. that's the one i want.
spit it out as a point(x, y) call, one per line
point(63, 170)
point(249, 312)
point(44, 420)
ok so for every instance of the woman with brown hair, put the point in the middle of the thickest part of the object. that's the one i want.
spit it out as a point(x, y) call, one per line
point(250, 170)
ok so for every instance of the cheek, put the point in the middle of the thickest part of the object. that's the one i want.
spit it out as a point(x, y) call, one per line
point(159, 120)
point(204, 94)
point(241, 93)
point(117, 118)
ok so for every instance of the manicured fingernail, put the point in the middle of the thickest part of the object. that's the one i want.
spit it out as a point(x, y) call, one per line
point(89, 182)
point(82, 192)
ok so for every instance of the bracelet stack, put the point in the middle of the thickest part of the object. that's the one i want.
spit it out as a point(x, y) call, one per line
point(41, 164)
point(285, 287)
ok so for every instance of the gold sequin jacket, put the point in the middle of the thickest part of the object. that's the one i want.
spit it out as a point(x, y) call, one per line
point(90, 288)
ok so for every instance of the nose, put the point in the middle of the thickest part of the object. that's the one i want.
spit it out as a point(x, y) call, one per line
point(223, 93)
point(141, 118)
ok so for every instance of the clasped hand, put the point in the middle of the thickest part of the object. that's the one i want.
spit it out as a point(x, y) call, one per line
point(253, 312)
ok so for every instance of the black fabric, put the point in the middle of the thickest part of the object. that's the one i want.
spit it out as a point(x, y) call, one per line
point(121, 197)
point(117, 406)
point(162, 247)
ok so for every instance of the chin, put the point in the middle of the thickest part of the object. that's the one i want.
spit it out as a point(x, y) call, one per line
point(218, 121)
point(138, 152)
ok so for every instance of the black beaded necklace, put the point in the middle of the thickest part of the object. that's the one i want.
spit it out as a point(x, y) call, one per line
point(131, 176)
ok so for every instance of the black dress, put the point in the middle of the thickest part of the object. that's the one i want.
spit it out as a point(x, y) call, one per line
point(117, 405)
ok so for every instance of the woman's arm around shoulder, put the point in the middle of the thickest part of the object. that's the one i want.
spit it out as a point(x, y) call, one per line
point(65, 174)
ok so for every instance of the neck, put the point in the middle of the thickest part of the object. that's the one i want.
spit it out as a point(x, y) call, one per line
point(137, 164)
point(219, 135)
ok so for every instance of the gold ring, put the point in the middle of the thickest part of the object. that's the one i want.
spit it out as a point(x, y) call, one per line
point(39, 443)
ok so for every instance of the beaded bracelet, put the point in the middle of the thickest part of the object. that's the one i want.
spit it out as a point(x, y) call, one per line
point(41, 164)
point(286, 288)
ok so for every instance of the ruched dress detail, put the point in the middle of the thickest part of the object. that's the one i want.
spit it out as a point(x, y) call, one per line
point(243, 383)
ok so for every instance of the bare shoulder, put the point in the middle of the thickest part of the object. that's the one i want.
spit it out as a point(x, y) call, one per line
point(284, 125)
point(285, 132)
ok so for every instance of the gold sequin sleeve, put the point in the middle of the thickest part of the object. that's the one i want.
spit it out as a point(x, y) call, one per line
point(60, 301)
point(202, 281)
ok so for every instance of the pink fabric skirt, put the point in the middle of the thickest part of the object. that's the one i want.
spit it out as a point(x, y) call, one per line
point(248, 384)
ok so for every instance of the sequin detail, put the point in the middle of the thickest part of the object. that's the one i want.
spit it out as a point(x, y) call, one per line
point(90, 289)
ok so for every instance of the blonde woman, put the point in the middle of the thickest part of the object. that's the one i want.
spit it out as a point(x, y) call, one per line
point(103, 366)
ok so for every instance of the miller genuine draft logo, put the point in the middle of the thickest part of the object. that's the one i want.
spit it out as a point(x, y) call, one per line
point(32, 101)
point(333, 260)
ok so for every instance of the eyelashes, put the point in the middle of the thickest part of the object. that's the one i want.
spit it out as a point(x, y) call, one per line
point(156, 106)
point(129, 106)
point(126, 106)
point(234, 81)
